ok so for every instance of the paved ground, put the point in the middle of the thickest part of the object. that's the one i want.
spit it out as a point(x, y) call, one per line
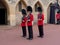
point(12, 36)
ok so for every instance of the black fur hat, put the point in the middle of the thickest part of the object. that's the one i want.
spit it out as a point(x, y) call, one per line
point(23, 11)
point(39, 9)
point(58, 11)
point(29, 8)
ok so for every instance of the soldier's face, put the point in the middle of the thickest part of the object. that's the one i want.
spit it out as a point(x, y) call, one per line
point(40, 12)
point(28, 12)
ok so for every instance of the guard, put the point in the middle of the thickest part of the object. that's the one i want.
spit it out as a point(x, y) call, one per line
point(58, 17)
point(40, 22)
point(29, 22)
point(23, 22)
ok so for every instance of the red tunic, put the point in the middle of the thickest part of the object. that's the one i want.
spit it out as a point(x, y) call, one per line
point(57, 16)
point(40, 22)
point(29, 23)
point(23, 22)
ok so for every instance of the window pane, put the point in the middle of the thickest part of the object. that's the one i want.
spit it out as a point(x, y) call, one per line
point(20, 6)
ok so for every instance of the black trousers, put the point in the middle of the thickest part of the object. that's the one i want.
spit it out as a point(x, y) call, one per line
point(58, 21)
point(24, 30)
point(40, 28)
point(30, 31)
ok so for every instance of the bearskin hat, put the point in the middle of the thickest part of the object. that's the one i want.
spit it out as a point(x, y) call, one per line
point(39, 9)
point(23, 11)
point(29, 8)
point(58, 11)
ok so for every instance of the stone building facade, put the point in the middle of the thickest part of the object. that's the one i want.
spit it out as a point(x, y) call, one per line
point(12, 10)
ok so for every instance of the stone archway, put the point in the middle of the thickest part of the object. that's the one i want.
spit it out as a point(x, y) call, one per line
point(51, 13)
point(37, 4)
point(4, 12)
point(21, 5)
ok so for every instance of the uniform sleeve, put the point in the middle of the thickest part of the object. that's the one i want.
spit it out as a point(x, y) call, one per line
point(57, 17)
point(42, 17)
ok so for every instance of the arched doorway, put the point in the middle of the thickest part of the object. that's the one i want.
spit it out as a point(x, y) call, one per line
point(37, 4)
point(21, 5)
point(48, 13)
point(51, 13)
point(3, 13)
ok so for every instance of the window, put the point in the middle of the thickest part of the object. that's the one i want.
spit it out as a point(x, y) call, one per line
point(20, 6)
point(36, 8)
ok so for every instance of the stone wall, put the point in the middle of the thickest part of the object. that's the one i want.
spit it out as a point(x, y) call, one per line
point(14, 16)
